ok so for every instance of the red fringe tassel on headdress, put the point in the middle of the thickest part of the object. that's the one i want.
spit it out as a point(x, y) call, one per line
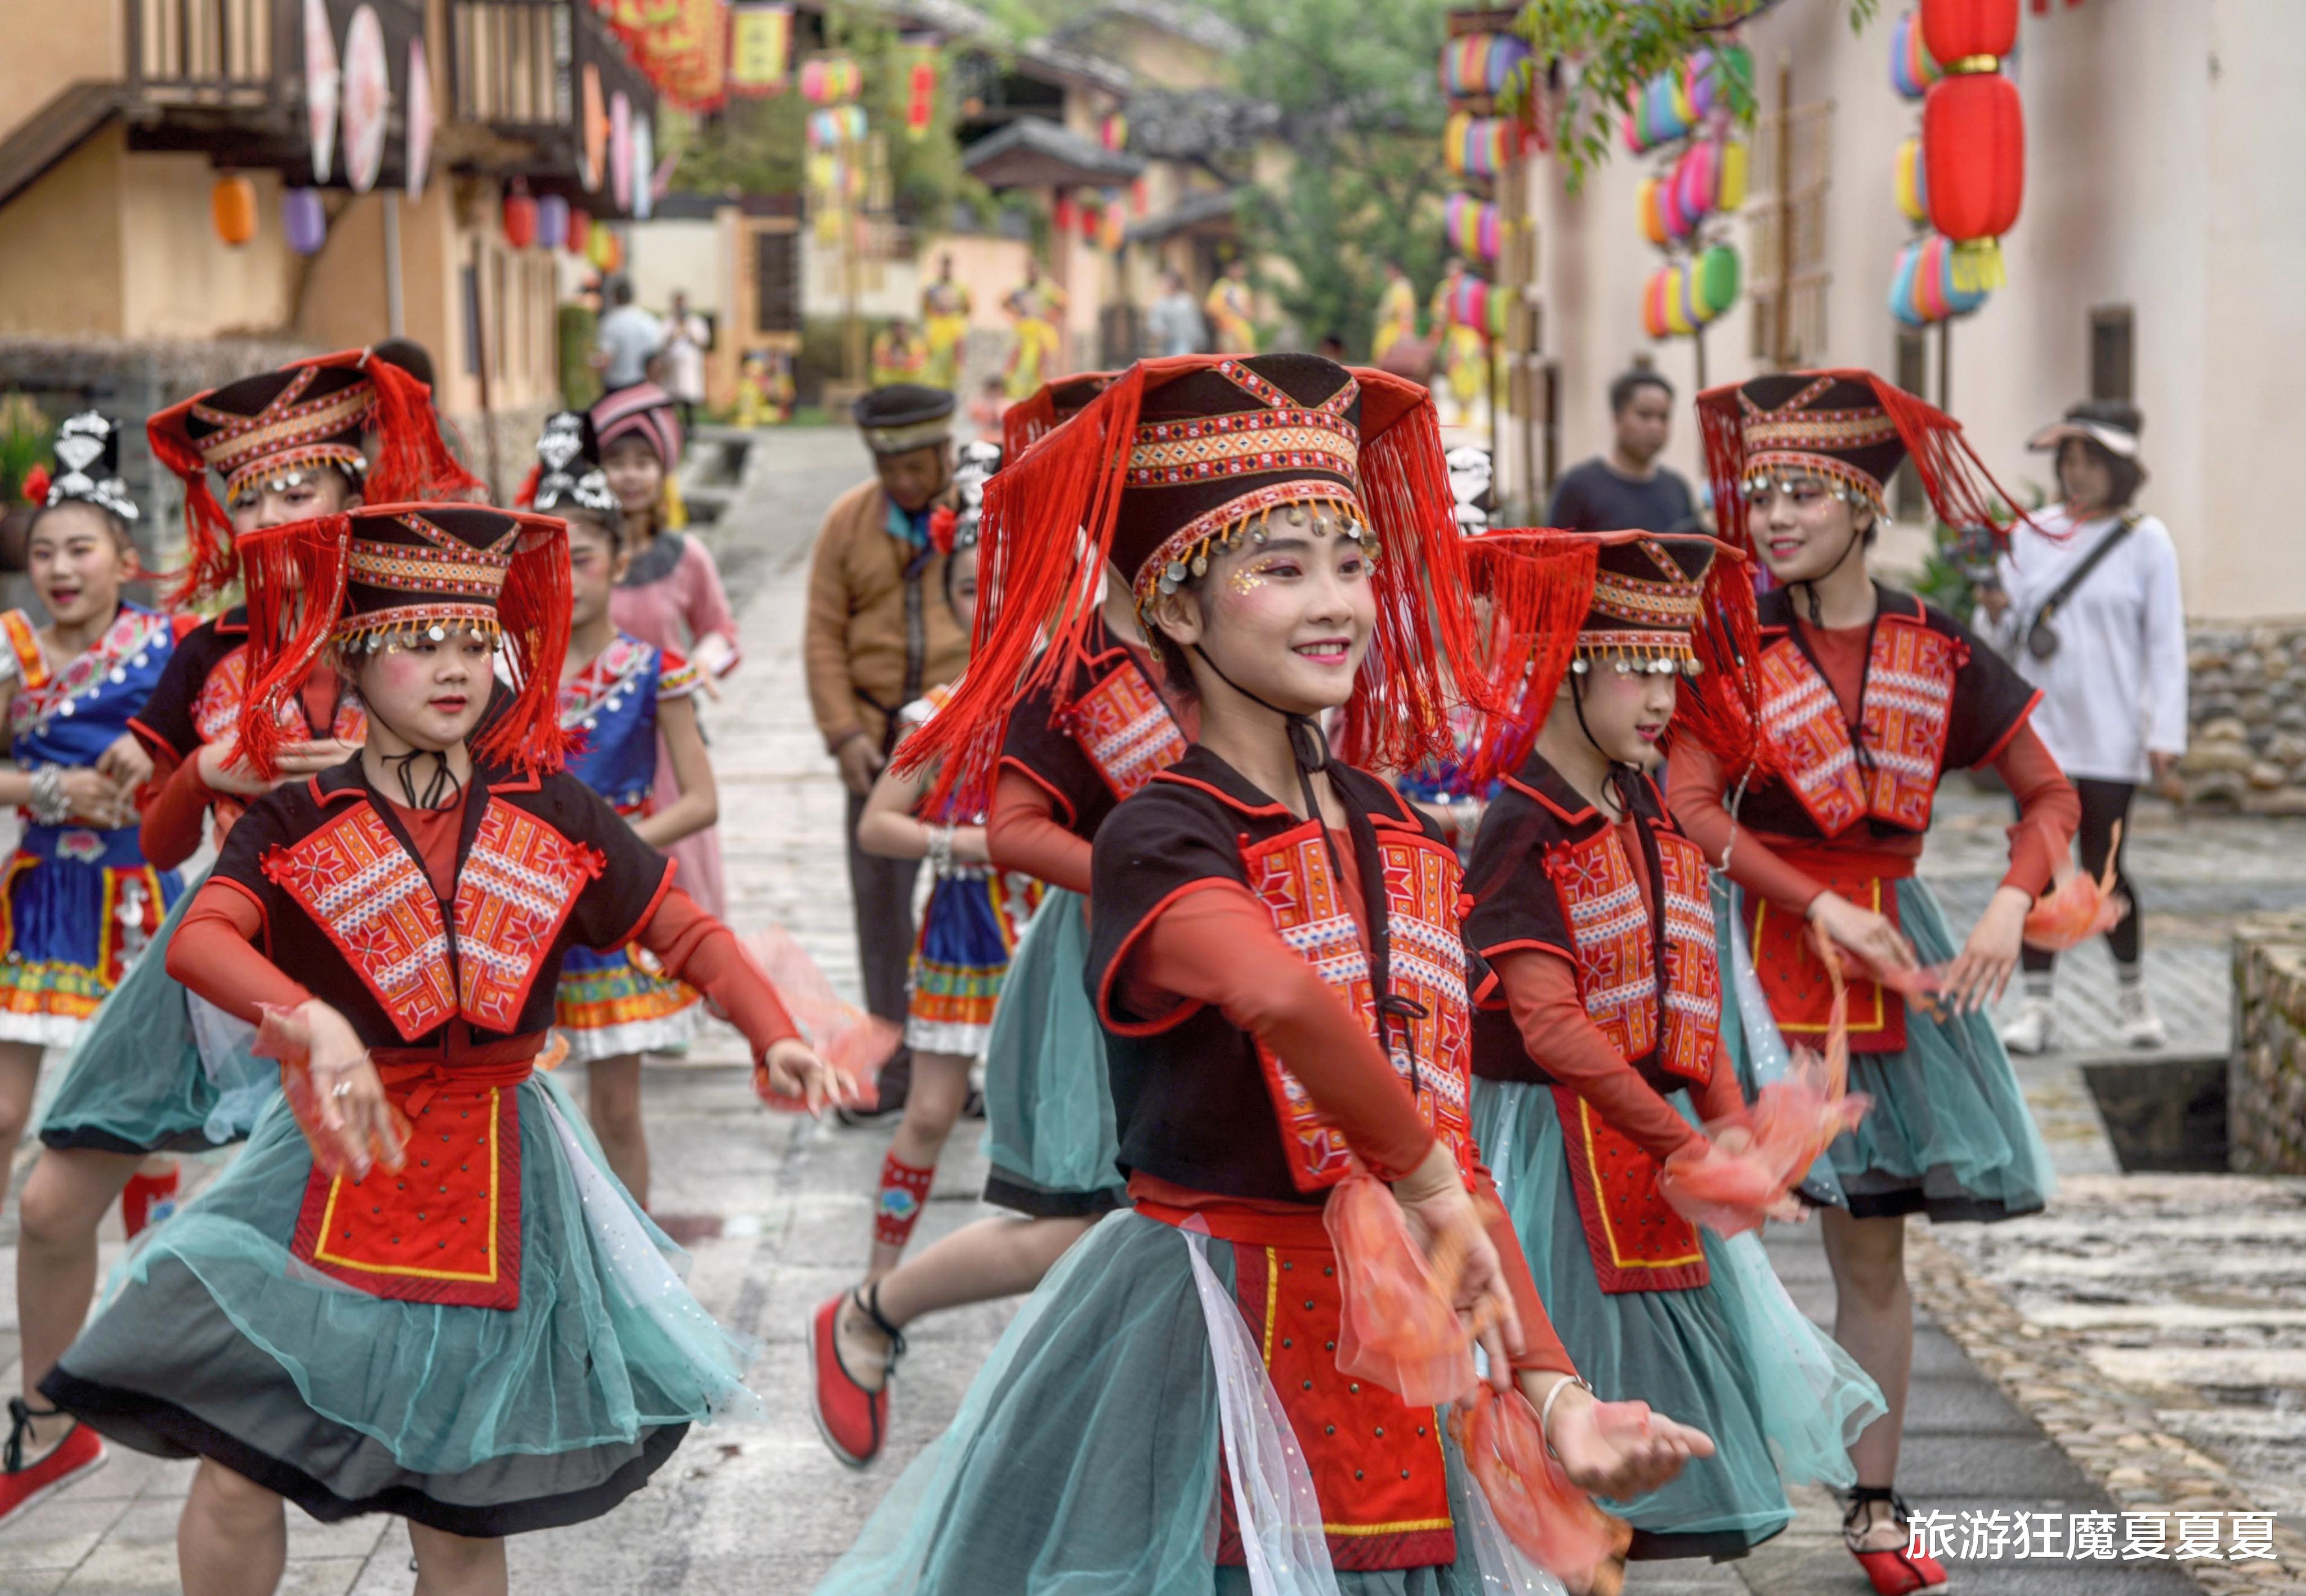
point(1040, 596)
point(294, 579)
point(533, 609)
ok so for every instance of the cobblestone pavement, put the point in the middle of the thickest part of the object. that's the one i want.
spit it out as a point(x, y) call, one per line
point(780, 1211)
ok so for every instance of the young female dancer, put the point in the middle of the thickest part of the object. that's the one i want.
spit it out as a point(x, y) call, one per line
point(670, 594)
point(622, 699)
point(81, 902)
point(405, 914)
point(1597, 1045)
point(1868, 696)
point(159, 1069)
point(1243, 983)
point(1071, 752)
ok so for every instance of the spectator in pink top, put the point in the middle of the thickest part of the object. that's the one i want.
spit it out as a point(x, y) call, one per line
point(671, 593)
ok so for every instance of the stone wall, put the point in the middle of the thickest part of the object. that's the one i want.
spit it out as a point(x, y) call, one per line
point(2265, 1077)
point(2248, 709)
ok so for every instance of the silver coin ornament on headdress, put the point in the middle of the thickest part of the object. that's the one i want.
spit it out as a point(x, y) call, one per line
point(82, 443)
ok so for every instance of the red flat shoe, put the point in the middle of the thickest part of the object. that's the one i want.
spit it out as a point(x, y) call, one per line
point(80, 1453)
point(149, 1198)
point(853, 1420)
point(1898, 1570)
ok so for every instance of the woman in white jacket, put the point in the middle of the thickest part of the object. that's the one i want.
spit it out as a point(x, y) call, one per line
point(2110, 658)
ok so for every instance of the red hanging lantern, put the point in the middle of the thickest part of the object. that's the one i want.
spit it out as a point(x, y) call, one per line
point(1957, 30)
point(920, 99)
point(1974, 151)
point(1974, 156)
point(580, 230)
point(519, 218)
point(1091, 218)
point(1062, 215)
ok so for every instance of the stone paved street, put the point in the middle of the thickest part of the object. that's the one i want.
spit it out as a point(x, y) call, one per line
point(780, 1211)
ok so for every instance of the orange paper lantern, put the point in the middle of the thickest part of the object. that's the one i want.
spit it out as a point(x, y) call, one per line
point(232, 206)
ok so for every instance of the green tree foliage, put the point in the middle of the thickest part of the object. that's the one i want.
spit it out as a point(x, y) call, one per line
point(1355, 82)
point(1597, 52)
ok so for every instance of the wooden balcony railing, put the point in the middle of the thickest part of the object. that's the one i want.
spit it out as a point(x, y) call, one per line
point(211, 52)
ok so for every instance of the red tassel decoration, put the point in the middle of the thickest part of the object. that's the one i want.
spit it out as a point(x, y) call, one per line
point(1025, 423)
point(526, 498)
point(1539, 587)
point(294, 579)
point(210, 564)
point(37, 484)
point(533, 609)
point(1722, 706)
point(944, 521)
point(412, 464)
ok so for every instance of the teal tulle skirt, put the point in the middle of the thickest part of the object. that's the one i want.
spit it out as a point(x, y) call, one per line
point(1734, 1357)
point(1048, 1107)
point(1083, 1460)
point(157, 1070)
point(1949, 1134)
point(213, 1340)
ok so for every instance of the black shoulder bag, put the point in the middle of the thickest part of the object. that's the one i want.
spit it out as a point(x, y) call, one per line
point(2041, 637)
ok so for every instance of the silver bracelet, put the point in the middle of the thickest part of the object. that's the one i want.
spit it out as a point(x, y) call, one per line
point(50, 805)
point(941, 849)
point(1545, 1413)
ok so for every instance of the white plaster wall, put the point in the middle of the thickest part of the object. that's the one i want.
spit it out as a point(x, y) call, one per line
point(2158, 175)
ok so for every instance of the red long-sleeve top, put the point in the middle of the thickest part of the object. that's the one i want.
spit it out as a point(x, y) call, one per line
point(214, 952)
point(1219, 946)
point(2047, 809)
point(1024, 833)
point(176, 800)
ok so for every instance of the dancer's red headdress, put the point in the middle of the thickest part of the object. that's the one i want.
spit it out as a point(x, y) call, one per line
point(1559, 601)
point(276, 423)
point(1181, 453)
point(1851, 428)
point(387, 574)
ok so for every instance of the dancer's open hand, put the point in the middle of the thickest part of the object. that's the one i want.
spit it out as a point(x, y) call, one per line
point(354, 1109)
point(792, 1070)
point(1615, 1449)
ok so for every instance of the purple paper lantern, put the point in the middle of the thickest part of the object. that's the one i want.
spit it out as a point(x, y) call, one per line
point(552, 220)
point(305, 220)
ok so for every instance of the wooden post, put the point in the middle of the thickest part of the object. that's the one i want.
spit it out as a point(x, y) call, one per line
point(1946, 365)
point(1782, 355)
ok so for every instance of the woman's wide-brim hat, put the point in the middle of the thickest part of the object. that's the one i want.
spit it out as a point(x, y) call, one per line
point(2116, 433)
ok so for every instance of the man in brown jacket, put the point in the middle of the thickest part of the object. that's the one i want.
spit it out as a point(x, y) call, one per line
point(879, 635)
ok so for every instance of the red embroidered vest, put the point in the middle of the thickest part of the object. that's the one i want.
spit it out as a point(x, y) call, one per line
point(1907, 702)
point(1617, 953)
point(1125, 731)
point(374, 900)
point(1637, 1242)
point(1291, 875)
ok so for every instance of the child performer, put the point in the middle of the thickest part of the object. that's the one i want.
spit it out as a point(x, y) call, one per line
point(1049, 1111)
point(159, 1069)
point(406, 913)
point(670, 594)
point(1261, 914)
point(619, 699)
point(1597, 1043)
point(80, 901)
point(1868, 696)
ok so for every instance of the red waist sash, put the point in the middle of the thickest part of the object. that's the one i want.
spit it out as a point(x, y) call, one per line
point(1376, 1462)
point(445, 1227)
point(1792, 975)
